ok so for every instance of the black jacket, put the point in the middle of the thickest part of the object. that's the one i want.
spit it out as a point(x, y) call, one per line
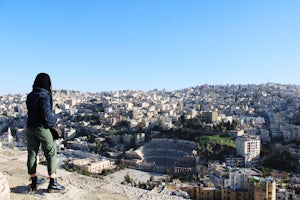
point(39, 106)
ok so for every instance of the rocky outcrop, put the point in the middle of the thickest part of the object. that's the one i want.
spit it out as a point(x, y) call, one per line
point(4, 188)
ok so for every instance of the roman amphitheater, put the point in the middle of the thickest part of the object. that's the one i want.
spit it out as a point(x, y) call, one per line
point(160, 154)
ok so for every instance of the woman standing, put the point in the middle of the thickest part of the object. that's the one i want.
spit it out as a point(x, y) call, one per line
point(40, 120)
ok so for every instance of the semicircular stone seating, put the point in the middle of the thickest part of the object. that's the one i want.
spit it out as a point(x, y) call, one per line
point(166, 152)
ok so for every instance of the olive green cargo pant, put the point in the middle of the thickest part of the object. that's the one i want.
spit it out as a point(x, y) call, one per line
point(36, 137)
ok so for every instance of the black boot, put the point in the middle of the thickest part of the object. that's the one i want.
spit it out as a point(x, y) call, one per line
point(54, 186)
point(35, 181)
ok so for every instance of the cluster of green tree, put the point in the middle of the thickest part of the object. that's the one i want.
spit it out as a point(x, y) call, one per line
point(225, 126)
point(99, 147)
point(194, 123)
point(183, 176)
point(149, 185)
point(284, 162)
point(69, 168)
point(106, 172)
point(198, 123)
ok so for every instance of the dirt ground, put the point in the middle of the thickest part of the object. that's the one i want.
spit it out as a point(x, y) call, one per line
point(13, 166)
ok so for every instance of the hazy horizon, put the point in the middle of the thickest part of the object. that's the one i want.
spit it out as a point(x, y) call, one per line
point(159, 89)
point(116, 45)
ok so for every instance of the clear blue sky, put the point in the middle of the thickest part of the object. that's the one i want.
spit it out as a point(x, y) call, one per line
point(105, 45)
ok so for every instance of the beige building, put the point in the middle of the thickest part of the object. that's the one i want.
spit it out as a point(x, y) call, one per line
point(212, 193)
point(263, 189)
point(210, 117)
point(204, 193)
point(257, 189)
point(229, 194)
point(93, 165)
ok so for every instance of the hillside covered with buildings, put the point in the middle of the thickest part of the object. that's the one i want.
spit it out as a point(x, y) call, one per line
point(218, 141)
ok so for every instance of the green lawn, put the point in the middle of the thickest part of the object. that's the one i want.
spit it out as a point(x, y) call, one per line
point(222, 140)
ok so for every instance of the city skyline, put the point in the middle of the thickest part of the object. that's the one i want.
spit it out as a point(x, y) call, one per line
point(144, 45)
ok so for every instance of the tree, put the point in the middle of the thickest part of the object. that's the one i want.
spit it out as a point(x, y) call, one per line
point(151, 178)
point(128, 179)
point(167, 171)
point(99, 147)
point(183, 118)
point(223, 129)
point(234, 123)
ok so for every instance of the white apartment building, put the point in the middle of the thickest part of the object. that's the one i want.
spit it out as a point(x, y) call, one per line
point(249, 148)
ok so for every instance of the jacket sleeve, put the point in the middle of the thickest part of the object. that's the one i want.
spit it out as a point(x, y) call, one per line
point(49, 119)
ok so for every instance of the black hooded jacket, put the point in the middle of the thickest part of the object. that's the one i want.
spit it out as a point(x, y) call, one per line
point(39, 103)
